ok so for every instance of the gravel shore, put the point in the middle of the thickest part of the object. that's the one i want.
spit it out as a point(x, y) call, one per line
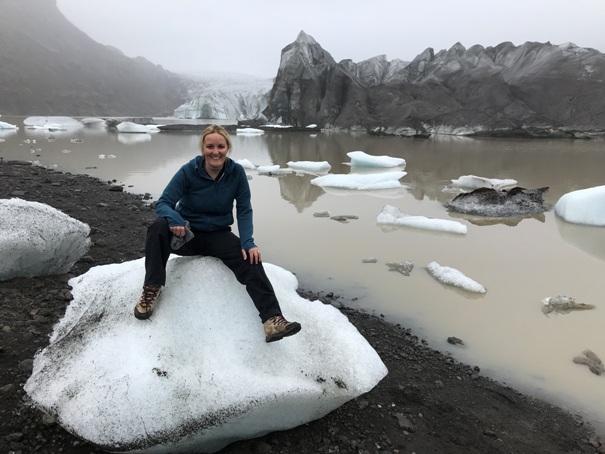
point(428, 402)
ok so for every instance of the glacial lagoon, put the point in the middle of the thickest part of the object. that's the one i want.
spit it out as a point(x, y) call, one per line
point(519, 261)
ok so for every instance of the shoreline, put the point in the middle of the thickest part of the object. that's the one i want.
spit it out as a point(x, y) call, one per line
point(427, 402)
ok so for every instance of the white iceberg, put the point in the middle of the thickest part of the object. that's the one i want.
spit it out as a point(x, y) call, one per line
point(249, 131)
point(453, 277)
point(362, 159)
point(585, 206)
point(313, 167)
point(391, 215)
point(135, 128)
point(277, 126)
point(5, 125)
point(475, 182)
point(387, 180)
point(52, 123)
point(246, 164)
point(199, 375)
point(272, 170)
point(38, 240)
point(94, 122)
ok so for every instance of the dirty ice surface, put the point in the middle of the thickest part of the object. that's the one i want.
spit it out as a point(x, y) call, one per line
point(197, 375)
point(38, 240)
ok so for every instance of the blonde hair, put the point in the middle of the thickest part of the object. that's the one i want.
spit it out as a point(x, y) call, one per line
point(215, 129)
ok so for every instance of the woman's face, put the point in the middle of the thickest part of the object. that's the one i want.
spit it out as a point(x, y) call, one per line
point(214, 150)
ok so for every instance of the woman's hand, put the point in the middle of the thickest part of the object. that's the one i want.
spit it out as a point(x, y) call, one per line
point(178, 230)
point(254, 254)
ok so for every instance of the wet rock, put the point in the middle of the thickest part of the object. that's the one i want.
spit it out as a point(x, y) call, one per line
point(562, 304)
point(454, 341)
point(344, 218)
point(404, 268)
point(590, 359)
point(26, 365)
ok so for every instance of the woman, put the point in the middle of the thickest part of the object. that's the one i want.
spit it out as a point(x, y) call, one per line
point(201, 196)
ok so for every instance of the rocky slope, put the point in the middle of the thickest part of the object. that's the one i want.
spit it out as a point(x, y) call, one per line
point(532, 90)
point(50, 67)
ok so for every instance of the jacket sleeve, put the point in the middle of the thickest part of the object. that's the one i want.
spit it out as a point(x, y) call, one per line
point(165, 207)
point(244, 212)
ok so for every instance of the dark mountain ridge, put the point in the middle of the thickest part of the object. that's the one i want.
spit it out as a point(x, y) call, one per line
point(535, 90)
point(50, 67)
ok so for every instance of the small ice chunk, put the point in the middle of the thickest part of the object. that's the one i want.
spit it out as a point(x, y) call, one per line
point(475, 182)
point(453, 277)
point(246, 164)
point(391, 215)
point(310, 166)
point(362, 159)
point(272, 170)
point(385, 180)
point(249, 131)
point(5, 125)
point(132, 128)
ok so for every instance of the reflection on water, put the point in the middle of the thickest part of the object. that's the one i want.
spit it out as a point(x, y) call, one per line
point(588, 239)
point(519, 261)
point(297, 189)
point(4, 133)
point(129, 139)
point(510, 221)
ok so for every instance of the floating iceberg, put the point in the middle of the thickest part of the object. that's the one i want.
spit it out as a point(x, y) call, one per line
point(38, 240)
point(135, 128)
point(5, 125)
point(453, 277)
point(277, 126)
point(94, 122)
point(585, 206)
point(362, 159)
point(52, 123)
point(187, 381)
point(272, 170)
point(312, 167)
point(386, 180)
point(391, 215)
point(246, 164)
point(474, 182)
point(249, 131)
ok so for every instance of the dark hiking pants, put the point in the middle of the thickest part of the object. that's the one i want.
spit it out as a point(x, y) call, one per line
point(222, 244)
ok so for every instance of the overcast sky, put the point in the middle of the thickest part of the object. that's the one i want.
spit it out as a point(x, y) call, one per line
point(248, 36)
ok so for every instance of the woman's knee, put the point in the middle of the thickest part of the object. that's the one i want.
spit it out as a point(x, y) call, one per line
point(158, 227)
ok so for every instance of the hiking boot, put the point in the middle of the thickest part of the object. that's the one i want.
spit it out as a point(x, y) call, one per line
point(144, 307)
point(278, 327)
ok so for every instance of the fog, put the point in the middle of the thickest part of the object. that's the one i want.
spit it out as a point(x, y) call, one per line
point(247, 37)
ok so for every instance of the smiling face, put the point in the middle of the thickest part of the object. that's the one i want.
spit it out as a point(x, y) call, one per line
point(214, 150)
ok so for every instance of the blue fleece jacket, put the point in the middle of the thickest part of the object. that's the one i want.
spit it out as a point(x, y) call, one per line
point(192, 195)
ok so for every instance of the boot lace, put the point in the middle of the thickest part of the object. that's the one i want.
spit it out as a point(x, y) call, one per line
point(149, 296)
point(278, 320)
